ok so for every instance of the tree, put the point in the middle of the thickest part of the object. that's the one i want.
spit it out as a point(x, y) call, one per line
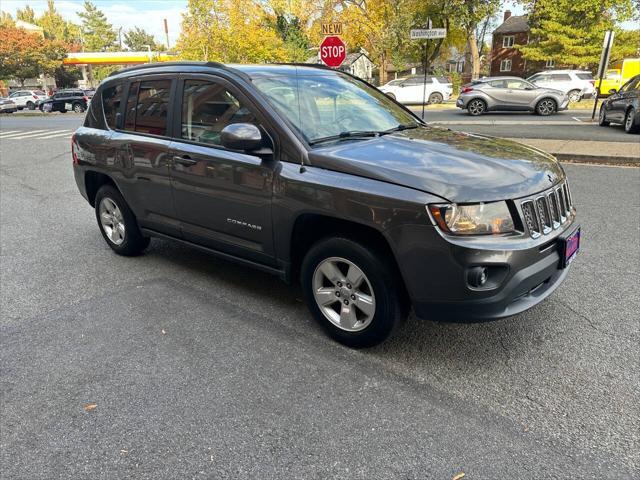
point(571, 33)
point(98, 35)
point(229, 31)
point(56, 27)
point(26, 14)
point(6, 20)
point(26, 55)
point(137, 38)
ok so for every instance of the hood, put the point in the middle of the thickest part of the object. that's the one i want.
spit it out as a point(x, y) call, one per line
point(456, 166)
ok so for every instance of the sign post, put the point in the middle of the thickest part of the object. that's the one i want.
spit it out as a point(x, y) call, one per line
point(602, 67)
point(426, 34)
point(333, 51)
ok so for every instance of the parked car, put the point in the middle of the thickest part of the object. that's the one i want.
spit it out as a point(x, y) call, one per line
point(577, 84)
point(510, 93)
point(618, 76)
point(89, 92)
point(413, 90)
point(27, 98)
point(623, 107)
point(7, 105)
point(310, 174)
point(65, 100)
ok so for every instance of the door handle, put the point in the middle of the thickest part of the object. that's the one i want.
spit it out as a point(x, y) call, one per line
point(185, 160)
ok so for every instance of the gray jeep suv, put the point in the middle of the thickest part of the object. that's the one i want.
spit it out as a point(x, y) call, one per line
point(313, 175)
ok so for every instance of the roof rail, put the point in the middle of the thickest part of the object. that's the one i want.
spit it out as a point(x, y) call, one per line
point(166, 64)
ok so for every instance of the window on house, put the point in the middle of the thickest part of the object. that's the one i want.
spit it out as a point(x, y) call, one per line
point(508, 41)
point(550, 64)
point(505, 65)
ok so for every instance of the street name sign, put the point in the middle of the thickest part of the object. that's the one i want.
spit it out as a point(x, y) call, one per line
point(428, 33)
point(333, 51)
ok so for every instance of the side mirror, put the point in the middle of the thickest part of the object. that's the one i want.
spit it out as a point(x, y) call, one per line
point(613, 91)
point(241, 136)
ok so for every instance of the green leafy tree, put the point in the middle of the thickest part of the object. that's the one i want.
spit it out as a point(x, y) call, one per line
point(6, 20)
point(98, 34)
point(26, 14)
point(137, 38)
point(56, 27)
point(570, 32)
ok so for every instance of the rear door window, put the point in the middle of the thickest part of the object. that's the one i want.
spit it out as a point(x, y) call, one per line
point(584, 76)
point(147, 107)
point(560, 77)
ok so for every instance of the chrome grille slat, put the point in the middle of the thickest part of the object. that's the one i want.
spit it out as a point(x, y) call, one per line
point(547, 211)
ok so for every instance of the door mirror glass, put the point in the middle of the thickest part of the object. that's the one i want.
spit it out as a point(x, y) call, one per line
point(241, 136)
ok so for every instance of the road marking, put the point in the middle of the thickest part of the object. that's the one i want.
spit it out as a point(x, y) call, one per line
point(38, 134)
point(9, 132)
point(577, 119)
point(67, 133)
point(24, 133)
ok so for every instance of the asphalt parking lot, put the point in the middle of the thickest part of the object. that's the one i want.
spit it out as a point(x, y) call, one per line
point(178, 365)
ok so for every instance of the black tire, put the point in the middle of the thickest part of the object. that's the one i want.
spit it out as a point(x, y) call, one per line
point(134, 242)
point(385, 285)
point(31, 106)
point(476, 107)
point(629, 125)
point(574, 96)
point(435, 98)
point(602, 118)
point(391, 95)
point(546, 107)
point(78, 108)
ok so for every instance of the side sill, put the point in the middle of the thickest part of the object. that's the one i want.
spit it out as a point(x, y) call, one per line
point(281, 274)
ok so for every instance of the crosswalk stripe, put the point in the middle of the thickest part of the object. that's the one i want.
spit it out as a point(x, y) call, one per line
point(67, 133)
point(7, 133)
point(40, 134)
point(25, 133)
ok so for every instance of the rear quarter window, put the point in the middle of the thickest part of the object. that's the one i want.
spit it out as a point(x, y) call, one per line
point(560, 77)
point(111, 101)
point(584, 76)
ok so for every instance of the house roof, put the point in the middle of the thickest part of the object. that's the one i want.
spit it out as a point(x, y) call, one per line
point(513, 24)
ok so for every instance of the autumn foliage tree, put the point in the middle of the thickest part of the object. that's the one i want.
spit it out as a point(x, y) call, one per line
point(26, 55)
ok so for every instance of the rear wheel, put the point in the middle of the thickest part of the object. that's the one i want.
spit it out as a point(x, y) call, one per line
point(546, 107)
point(118, 223)
point(435, 98)
point(629, 124)
point(476, 107)
point(574, 96)
point(31, 105)
point(351, 291)
point(78, 108)
point(602, 118)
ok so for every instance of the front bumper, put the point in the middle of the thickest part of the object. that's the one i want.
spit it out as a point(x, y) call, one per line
point(522, 272)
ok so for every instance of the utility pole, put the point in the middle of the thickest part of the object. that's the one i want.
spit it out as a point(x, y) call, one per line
point(166, 32)
point(120, 37)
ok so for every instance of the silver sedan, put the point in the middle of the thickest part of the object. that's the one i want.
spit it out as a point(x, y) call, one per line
point(510, 94)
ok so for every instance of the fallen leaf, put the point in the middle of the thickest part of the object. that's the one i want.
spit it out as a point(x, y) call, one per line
point(163, 332)
point(90, 406)
point(458, 476)
point(124, 451)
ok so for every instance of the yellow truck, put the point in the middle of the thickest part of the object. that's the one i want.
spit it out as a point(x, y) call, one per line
point(618, 75)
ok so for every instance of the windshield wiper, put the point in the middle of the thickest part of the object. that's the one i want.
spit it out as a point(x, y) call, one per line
point(400, 128)
point(347, 135)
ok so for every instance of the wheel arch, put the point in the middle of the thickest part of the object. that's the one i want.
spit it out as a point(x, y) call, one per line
point(93, 181)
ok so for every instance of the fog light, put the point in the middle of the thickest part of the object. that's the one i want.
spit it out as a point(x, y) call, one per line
point(478, 276)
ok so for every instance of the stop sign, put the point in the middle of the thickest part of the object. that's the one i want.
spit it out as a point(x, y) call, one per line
point(333, 51)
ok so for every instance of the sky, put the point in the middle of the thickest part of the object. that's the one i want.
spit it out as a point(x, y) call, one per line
point(145, 14)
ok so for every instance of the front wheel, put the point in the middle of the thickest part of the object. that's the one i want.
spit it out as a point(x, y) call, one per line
point(391, 95)
point(476, 107)
point(629, 123)
point(31, 106)
point(351, 291)
point(602, 118)
point(118, 223)
point(546, 107)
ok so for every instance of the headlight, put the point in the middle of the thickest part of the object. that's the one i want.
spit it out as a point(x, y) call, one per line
point(479, 219)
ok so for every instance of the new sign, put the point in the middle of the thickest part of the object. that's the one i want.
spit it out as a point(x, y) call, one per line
point(428, 33)
point(333, 51)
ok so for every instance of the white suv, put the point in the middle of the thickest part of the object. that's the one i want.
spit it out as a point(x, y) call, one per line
point(27, 98)
point(577, 84)
point(412, 89)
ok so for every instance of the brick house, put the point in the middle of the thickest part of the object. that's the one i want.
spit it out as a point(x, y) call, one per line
point(506, 59)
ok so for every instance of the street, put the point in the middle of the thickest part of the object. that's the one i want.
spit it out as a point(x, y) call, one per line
point(565, 125)
point(199, 368)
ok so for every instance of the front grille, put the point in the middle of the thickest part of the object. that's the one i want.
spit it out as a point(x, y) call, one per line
point(547, 211)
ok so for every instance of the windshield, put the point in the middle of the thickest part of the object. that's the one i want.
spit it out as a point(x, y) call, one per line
point(322, 106)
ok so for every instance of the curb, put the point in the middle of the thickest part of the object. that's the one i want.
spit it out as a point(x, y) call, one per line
point(598, 160)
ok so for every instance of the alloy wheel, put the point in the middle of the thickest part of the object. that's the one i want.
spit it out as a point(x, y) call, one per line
point(574, 96)
point(78, 108)
point(546, 107)
point(476, 107)
point(111, 221)
point(628, 121)
point(343, 294)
